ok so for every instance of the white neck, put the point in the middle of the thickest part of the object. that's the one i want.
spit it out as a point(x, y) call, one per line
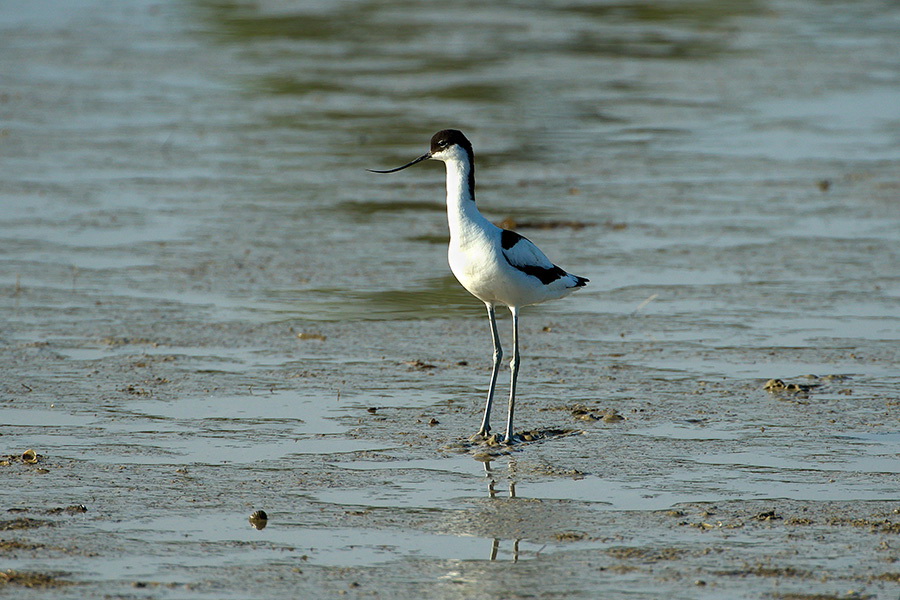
point(461, 210)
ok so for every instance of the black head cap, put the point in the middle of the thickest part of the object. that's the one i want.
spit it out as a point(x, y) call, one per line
point(448, 137)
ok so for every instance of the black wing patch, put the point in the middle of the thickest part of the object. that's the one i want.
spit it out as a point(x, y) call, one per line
point(508, 239)
point(546, 276)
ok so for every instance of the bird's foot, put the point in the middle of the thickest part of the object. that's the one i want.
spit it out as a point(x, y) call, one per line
point(491, 439)
point(481, 436)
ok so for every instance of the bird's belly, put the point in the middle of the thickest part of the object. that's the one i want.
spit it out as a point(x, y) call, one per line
point(474, 269)
point(486, 275)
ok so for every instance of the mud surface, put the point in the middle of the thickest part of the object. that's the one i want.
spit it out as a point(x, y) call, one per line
point(211, 309)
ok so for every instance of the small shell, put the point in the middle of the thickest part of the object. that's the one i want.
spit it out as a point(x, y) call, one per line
point(259, 519)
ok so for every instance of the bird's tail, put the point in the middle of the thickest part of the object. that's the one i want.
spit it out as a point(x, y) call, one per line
point(579, 281)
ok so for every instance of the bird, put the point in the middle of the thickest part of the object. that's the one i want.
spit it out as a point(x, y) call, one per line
point(498, 266)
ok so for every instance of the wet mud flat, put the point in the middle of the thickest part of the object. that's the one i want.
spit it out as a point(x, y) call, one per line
point(209, 308)
point(149, 460)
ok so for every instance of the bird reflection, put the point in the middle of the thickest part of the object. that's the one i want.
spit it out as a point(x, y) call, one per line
point(495, 548)
point(492, 493)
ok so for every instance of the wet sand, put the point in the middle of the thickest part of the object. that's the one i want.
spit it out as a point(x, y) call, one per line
point(211, 309)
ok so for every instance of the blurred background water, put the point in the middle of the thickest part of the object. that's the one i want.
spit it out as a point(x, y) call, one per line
point(214, 152)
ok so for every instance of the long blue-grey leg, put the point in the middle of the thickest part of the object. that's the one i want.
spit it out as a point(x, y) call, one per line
point(498, 356)
point(514, 368)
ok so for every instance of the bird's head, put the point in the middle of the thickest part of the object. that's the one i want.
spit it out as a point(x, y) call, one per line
point(446, 145)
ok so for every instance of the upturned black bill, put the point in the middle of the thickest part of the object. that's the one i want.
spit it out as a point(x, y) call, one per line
point(425, 156)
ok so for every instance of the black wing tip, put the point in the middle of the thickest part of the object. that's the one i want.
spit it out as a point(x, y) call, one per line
point(580, 281)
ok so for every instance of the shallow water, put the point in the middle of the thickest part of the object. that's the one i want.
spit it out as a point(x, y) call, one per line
point(210, 307)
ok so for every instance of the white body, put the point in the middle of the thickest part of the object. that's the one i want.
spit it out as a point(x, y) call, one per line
point(477, 257)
